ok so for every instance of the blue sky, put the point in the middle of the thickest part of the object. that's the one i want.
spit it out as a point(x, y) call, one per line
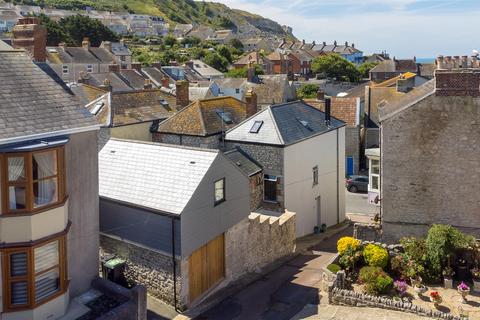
point(404, 28)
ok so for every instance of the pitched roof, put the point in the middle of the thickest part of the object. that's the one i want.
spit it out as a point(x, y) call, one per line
point(243, 161)
point(283, 124)
point(344, 109)
point(182, 73)
point(116, 81)
point(271, 89)
point(198, 93)
point(202, 117)
point(395, 65)
point(132, 78)
point(253, 56)
point(61, 55)
point(86, 93)
point(156, 176)
point(32, 103)
point(4, 46)
point(205, 70)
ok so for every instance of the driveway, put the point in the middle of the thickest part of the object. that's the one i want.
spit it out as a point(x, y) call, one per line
point(284, 292)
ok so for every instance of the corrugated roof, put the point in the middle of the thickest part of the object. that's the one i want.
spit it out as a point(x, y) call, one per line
point(32, 102)
point(150, 175)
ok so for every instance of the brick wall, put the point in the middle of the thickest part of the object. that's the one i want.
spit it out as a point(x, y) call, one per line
point(430, 166)
point(457, 83)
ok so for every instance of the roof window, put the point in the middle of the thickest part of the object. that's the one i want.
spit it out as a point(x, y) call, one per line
point(256, 126)
point(305, 124)
point(98, 106)
point(225, 116)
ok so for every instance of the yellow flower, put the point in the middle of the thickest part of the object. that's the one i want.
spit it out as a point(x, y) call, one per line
point(347, 242)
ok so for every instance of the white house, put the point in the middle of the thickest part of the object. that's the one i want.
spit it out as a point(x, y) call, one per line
point(301, 150)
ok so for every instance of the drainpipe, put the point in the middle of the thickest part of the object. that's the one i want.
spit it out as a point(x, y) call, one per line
point(174, 263)
point(338, 180)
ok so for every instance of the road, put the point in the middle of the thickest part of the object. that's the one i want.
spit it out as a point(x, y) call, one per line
point(282, 293)
point(357, 203)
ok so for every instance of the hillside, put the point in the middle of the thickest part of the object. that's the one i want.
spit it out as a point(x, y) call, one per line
point(215, 15)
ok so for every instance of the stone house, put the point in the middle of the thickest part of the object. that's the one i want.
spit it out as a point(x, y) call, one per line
point(301, 150)
point(256, 44)
point(256, 58)
point(347, 110)
point(388, 69)
point(349, 52)
point(430, 153)
point(49, 193)
point(204, 122)
point(281, 63)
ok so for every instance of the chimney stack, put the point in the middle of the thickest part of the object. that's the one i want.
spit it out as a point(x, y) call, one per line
point(182, 93)
point(28, 34)
point(107, 85)
point(328, 104)
point(113, 67)
point(148, 84)
point(251, 102)
point(86, 43)
point(165, 82)
point(107, 45)
point(250, 72)
point(137, 66)
point(346, 43)
point(320, 95)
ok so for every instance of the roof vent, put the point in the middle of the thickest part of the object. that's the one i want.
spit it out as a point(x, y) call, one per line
point(305, 124)
point(192, 162)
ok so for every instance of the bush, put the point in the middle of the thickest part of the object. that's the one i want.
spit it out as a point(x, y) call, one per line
point(345, 243)
point(334, 268)
point(307, 91)
point(375, 256)
point(375, 279)
point(350, 258)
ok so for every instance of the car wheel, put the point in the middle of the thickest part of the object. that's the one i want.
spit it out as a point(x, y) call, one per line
point(353, 189)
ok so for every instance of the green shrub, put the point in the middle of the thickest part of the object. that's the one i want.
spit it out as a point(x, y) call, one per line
point(375, 256)
point(350, 258)
point(375, 279)
point(334, 268)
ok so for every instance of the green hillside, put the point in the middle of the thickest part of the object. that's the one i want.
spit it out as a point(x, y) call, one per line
point(211, 14)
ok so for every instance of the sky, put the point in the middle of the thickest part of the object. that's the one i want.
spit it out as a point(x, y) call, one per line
point(404, 28)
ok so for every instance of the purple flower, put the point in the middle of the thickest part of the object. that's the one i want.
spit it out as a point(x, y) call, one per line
point(463, 286)
point(401, 286)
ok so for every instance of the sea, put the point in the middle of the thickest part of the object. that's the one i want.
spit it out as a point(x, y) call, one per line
point(425, 60)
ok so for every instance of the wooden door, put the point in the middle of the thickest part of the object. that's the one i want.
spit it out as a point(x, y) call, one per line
point(206, 267)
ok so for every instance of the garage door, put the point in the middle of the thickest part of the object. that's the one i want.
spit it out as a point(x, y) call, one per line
point(206, 267)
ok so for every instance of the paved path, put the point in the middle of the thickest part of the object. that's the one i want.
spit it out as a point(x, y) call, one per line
point(329, 312)
point(158, 310)
point(357, 203)
point(282, 293)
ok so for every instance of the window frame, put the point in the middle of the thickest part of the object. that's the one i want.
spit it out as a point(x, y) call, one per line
point(372, 175)
point(215, 201)
point(65, 69)
point(315, 175)
point(29, 181)
point(90, 68)
point(269, 178)
point(31, 275)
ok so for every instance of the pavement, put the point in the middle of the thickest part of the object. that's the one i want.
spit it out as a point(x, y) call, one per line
point(284, 292)
point(357, 204)
point(158, 310)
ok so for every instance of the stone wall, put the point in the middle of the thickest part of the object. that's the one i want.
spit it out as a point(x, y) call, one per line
point(210, 142)
point(256, 191)
point(258, 241)
point(144, 266)
point(269, 157)
point(430, 167)
point(368, 231)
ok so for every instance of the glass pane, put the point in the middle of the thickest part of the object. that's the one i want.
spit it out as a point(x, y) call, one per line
point(16, 169)
point(375, 166)
point(19, 293)
point(46, 284)
point(44, 164)
point(46, 256)
point(45, 192)
point(18, 264)
point(270, 190)
point(375, 182)
point(16, 197)
point(219, 190)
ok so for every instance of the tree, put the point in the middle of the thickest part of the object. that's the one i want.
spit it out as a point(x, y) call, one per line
point(55, 34)
point(237, 44)
point(78, 27)
point(364, 68)
point(225, 52)
point(243, 72)
point(170, 40)
point(334, 66)
point(216, 61)
point(307, 91)
point(194, 41)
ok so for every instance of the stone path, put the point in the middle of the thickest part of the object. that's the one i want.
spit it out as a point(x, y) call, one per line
point(330, 312)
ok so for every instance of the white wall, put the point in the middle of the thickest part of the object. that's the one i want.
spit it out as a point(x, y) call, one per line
point(301, 194)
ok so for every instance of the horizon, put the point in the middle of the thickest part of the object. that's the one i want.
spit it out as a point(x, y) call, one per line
point(414, 27)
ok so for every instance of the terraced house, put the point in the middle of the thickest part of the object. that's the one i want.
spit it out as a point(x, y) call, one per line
point(49, 193)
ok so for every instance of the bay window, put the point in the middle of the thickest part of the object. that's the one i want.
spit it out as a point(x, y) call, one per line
point(34, 180)
point(34, 275)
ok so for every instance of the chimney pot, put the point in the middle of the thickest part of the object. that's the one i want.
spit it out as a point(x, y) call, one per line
point(346, 43)
point(324, 43)
point(250, 72)
point(165, 82)
point(353, 45)
point(182, 92)
point(148, 84)
point(335, 43)
point(320, 95)
point(251, 102)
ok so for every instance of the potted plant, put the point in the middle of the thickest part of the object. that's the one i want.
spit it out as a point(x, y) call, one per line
point(448, 274)
point(463, 289)
point(435, 298)
point(476, 279)
point(401, 287)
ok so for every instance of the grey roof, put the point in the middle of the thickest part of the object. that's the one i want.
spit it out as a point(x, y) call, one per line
point(133, 78)
point(284, 124)
point(98, 79)
point(60, 55)
point(120, 49)
point(205, 70)
point(32, 103)
point(151, 175)
point(243, 161)
point(4, 46)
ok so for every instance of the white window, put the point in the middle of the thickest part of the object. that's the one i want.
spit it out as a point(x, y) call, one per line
point(374, 184)
point(65, 69)
point(89, 68)
point(219, 191)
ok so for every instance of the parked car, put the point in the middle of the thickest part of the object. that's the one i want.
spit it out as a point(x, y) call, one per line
point(357, 183)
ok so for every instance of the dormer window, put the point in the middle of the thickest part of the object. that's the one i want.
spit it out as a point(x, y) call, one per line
point(256, 126)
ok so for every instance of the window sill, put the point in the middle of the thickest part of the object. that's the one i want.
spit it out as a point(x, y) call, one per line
point(217, 203)
point(271, 201)
point(35, 211)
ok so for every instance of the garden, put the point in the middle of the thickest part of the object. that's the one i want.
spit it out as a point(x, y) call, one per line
point(440, 271)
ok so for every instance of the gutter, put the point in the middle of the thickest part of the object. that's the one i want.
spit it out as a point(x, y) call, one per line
point(49, 134)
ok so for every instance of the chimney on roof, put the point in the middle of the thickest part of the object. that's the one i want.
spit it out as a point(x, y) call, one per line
point(324, 43)
point(107, 45)
point(113, 67)
point(28, 34)
point(251, 102)
point(148, 84)
point(313, 43)
point(353, 45)
point(320, 95)
point(165, 82)
point(335, 43)
point(457, 76)
point(182, 93)
point(137, 66)
point(405, 85)
point(328, 104)
point(346, 43)
point(250, 72)
point(86, 43)
point(106, 85)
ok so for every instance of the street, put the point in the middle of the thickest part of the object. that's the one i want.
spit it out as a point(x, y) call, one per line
point(357, 203)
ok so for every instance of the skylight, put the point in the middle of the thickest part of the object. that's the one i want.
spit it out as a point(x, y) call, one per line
point(226, 116)
point(98, 106)
point(256, 126)
point(305, 124)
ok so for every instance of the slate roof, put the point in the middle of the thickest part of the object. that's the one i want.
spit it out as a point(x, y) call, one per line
point(243, 161)
point(97, 79)
point(408, 65)
point(205, 70)
point(132, 78)
point(201, 117)
point(59, 55)
point(150, 175)
point(154, 74)
point(120, 49)
point(284, 124)
point(199, 93)
point(32, 103)
point(182, 73)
